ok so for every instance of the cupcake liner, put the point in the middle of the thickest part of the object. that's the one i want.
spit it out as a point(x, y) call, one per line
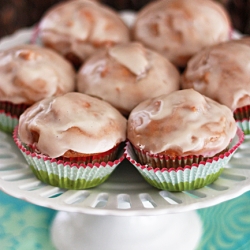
point(109, 155)
point(242, 117)
point(188, 177)
point(9, 115)
point(65, 174)
point(35, 36)
point(7, 122)
point(163, 161)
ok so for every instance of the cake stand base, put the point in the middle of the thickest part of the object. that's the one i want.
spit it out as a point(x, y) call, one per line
point(93, 232)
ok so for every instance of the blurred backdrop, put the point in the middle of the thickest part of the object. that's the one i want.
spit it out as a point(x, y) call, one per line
point(15, 14)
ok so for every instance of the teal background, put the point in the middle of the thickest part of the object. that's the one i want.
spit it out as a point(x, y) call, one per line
point(25, 226)
point(226, 226)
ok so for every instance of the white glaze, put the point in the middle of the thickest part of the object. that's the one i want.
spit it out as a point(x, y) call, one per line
point(29, 73)
point(184, 121)
point(81, 27)
point(222, 72)
point(126, 75)
point(179, 28)
point(131, 56)
point(73, 121)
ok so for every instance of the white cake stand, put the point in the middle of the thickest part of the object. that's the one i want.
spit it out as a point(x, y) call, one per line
point(124, 212)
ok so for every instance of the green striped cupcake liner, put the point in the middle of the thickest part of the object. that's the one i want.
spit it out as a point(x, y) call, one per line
point(242, 117)
point(188, 177)
point(244, 126)
point(7, 122)
point(9, 115)
point(64, 174)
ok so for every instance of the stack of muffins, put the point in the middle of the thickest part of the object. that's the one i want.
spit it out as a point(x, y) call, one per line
point(104, 82)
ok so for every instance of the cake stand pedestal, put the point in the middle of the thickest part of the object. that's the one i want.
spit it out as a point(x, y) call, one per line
point(125, 212)
point(81, 231)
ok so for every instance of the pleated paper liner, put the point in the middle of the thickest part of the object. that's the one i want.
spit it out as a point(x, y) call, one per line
point(242, 117)
point(69, 174)
point(7, 122)
point(9, 115)
point(189, 173)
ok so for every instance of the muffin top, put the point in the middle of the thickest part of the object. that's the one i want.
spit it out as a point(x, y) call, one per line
point(221, 72)
point(73, 121)
point(126, 75)
point(77, 28)
point(180, 124)
point(29, 73)
point(179, 28)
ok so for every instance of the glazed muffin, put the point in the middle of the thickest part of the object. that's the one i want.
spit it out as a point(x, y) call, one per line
point(183, 135)
point(126, 75)
point(221, 72)
point(180, 28)
point(76, 29)
point(71, 141)
point(29, 73)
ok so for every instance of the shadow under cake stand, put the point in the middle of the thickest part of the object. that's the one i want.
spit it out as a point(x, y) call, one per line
point(124, 212)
